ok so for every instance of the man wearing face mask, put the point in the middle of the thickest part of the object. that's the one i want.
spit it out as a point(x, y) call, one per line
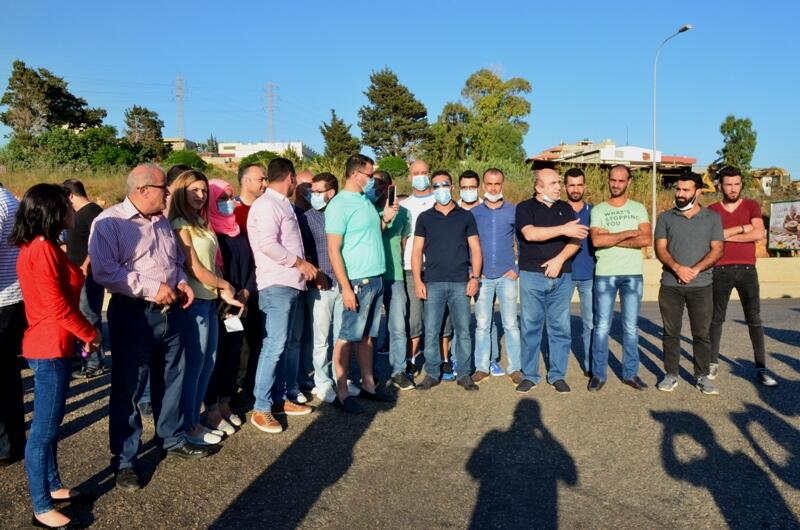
point(353, 227)
point(323, 298)
point(689, 241)
point(420, 201)
point(468, 183)
point(446, 246)
point(549, 236)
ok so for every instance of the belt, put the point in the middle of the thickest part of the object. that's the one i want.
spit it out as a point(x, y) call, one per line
point(147, 305)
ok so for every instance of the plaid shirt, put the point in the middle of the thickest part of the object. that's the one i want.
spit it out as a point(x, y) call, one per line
point(312, 228)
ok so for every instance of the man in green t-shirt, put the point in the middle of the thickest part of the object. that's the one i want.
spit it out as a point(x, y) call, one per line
point(395, 299)
point(355, 247)
point(619, 230)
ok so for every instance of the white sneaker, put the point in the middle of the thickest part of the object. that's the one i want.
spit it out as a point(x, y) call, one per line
point(298, 398)
point(218, 432)
point(713, 370)
point(224, 427)
point(325, 393)
point(234, 420)
point(353, 389)
point(207, 438)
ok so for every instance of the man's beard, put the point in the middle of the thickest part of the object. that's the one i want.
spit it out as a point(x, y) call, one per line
point(618, 193)
point(575, 197)
point(681, 202)
point(734, 198)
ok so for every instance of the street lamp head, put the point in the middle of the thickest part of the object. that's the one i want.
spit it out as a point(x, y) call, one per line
point(685, 27)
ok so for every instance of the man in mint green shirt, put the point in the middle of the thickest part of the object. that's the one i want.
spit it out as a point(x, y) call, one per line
point(355, 247)
point(395, 299)
point(619, 230)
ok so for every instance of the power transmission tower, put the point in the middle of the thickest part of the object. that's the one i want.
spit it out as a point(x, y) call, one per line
point(271, 94)
point(179, 100)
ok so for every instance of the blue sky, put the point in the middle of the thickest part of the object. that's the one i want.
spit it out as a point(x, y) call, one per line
point(590, 64)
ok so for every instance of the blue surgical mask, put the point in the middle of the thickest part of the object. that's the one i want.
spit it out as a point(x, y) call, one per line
point(469, 196)
point(442, 195)
point(226, 207)
point(317, 201)
point(491, 197)
point(369, 187)
point(420, 182)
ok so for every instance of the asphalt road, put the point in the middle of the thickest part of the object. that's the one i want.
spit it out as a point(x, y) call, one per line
point(487, 459)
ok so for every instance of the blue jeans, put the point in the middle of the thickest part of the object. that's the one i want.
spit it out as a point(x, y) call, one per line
point(326, 308)
point(366, 321)
point(91, 306)
point(291, 362)
point(394, 303)
point(453, 296)
point(506, 291)
point(584, 288)
point(278, 303)
point(630, 297)
point(544, 303)
point(51, 384)
point(200, 336)
point(146, 343)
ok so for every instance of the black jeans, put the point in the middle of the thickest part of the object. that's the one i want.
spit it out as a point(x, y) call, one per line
point(12, 416)
point(743, 278)
point(699, 302)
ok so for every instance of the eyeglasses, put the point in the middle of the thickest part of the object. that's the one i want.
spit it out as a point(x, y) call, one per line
point(368, 175)
point(441, 185)
point(163, 187)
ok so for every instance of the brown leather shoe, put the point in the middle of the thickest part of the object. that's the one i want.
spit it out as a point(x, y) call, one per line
point(516, 377)
point(290, 408)
point(264, 421)
point(479, 376)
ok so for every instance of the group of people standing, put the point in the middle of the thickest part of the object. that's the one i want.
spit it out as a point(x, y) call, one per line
point(194, 271)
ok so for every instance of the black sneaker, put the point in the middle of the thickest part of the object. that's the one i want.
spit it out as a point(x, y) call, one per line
point(91, 373)
point(561, 386)
point(447, 371)
point(635, 382)
point(526, 385)
point(466, 383)
point(595, 384)
point(764, 378)
point(410, 371)
point(349, 405)
point(427, 383)
point(401, 381)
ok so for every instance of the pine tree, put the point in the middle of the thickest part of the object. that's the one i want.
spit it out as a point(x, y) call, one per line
point(339, 143)
point(143, 130)
point(395, 122)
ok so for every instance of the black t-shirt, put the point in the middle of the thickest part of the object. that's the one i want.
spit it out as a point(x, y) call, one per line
point(78, 235)
point(532, 254)
point(446, 250)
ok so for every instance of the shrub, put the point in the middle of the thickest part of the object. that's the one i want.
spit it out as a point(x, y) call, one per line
point(394, 165)
point(260, 157)
point(188, 158)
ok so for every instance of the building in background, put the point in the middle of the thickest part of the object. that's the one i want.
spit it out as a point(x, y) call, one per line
point(180, 144)
point(233, 151)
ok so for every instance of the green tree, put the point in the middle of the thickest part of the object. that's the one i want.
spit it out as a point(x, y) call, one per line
point(394, 165)
point(395, 122)
point(497, 112)
point(212, 145)
point(339, 143)
point(739, 142)
point(188, 158)
point(143, 130)
point(449, 137)
point(260, 157)
point(37, 100)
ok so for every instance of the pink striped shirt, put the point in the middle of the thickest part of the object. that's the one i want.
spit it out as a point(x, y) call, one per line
point(276, 242)
point(133, 255)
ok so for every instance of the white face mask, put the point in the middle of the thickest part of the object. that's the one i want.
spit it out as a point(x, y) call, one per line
point(420, 182)
point(548, 200)
point(493, 197)
point(689, 205)
point(469, 196)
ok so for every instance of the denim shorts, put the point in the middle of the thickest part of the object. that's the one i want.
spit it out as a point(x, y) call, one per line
point(366, 321)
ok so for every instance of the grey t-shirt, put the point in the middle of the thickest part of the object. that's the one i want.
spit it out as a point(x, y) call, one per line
point(688, 240)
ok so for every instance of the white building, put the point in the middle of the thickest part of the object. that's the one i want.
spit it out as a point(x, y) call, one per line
point(237, 150)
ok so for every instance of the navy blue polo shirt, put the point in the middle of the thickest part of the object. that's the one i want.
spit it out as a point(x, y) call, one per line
point(446, 250)
point(533, 254)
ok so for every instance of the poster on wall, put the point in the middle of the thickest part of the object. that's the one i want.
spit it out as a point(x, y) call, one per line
point(784, 225)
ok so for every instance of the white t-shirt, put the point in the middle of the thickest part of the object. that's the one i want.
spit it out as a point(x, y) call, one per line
point(415, 206)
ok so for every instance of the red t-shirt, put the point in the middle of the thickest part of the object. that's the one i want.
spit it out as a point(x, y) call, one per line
point(51, 288)
point(735, 253)
point(240, 212)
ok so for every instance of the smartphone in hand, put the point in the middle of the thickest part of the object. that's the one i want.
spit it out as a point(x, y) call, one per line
point(391, 195)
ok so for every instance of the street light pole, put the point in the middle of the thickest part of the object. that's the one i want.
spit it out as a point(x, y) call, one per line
point(682, 29)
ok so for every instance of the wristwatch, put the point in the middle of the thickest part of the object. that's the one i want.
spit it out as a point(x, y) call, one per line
point(473, 277)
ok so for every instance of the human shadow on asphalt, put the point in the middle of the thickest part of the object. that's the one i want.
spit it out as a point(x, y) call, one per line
point(784, 434)
point(743, 491)
point(790, 337)
point(283, 494)
point(519, 471)
point(782, 398)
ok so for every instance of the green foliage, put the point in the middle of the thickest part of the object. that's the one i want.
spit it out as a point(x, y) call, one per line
point(143, 130)
point(212, 145)
point(188, 158)
point(291, 156)
point(739, 142)
point(37, 100)
point(394, 165)
point(339, 143)
point(395, 122)
point(260, 157)
point(449, 137)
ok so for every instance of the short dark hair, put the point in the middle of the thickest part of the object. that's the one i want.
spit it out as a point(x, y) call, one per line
point(468, 174)
point(329, 179)
point(383, 175)
point(42, 212)
point(440, 172)
point(278, 169)
point(75, 187)
point(728, 171)
point(356, 163)
point(494, 171)
point(692, 176)
point(174, 171)
point(243, 169)
point(620, 166)
point(574, 172)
